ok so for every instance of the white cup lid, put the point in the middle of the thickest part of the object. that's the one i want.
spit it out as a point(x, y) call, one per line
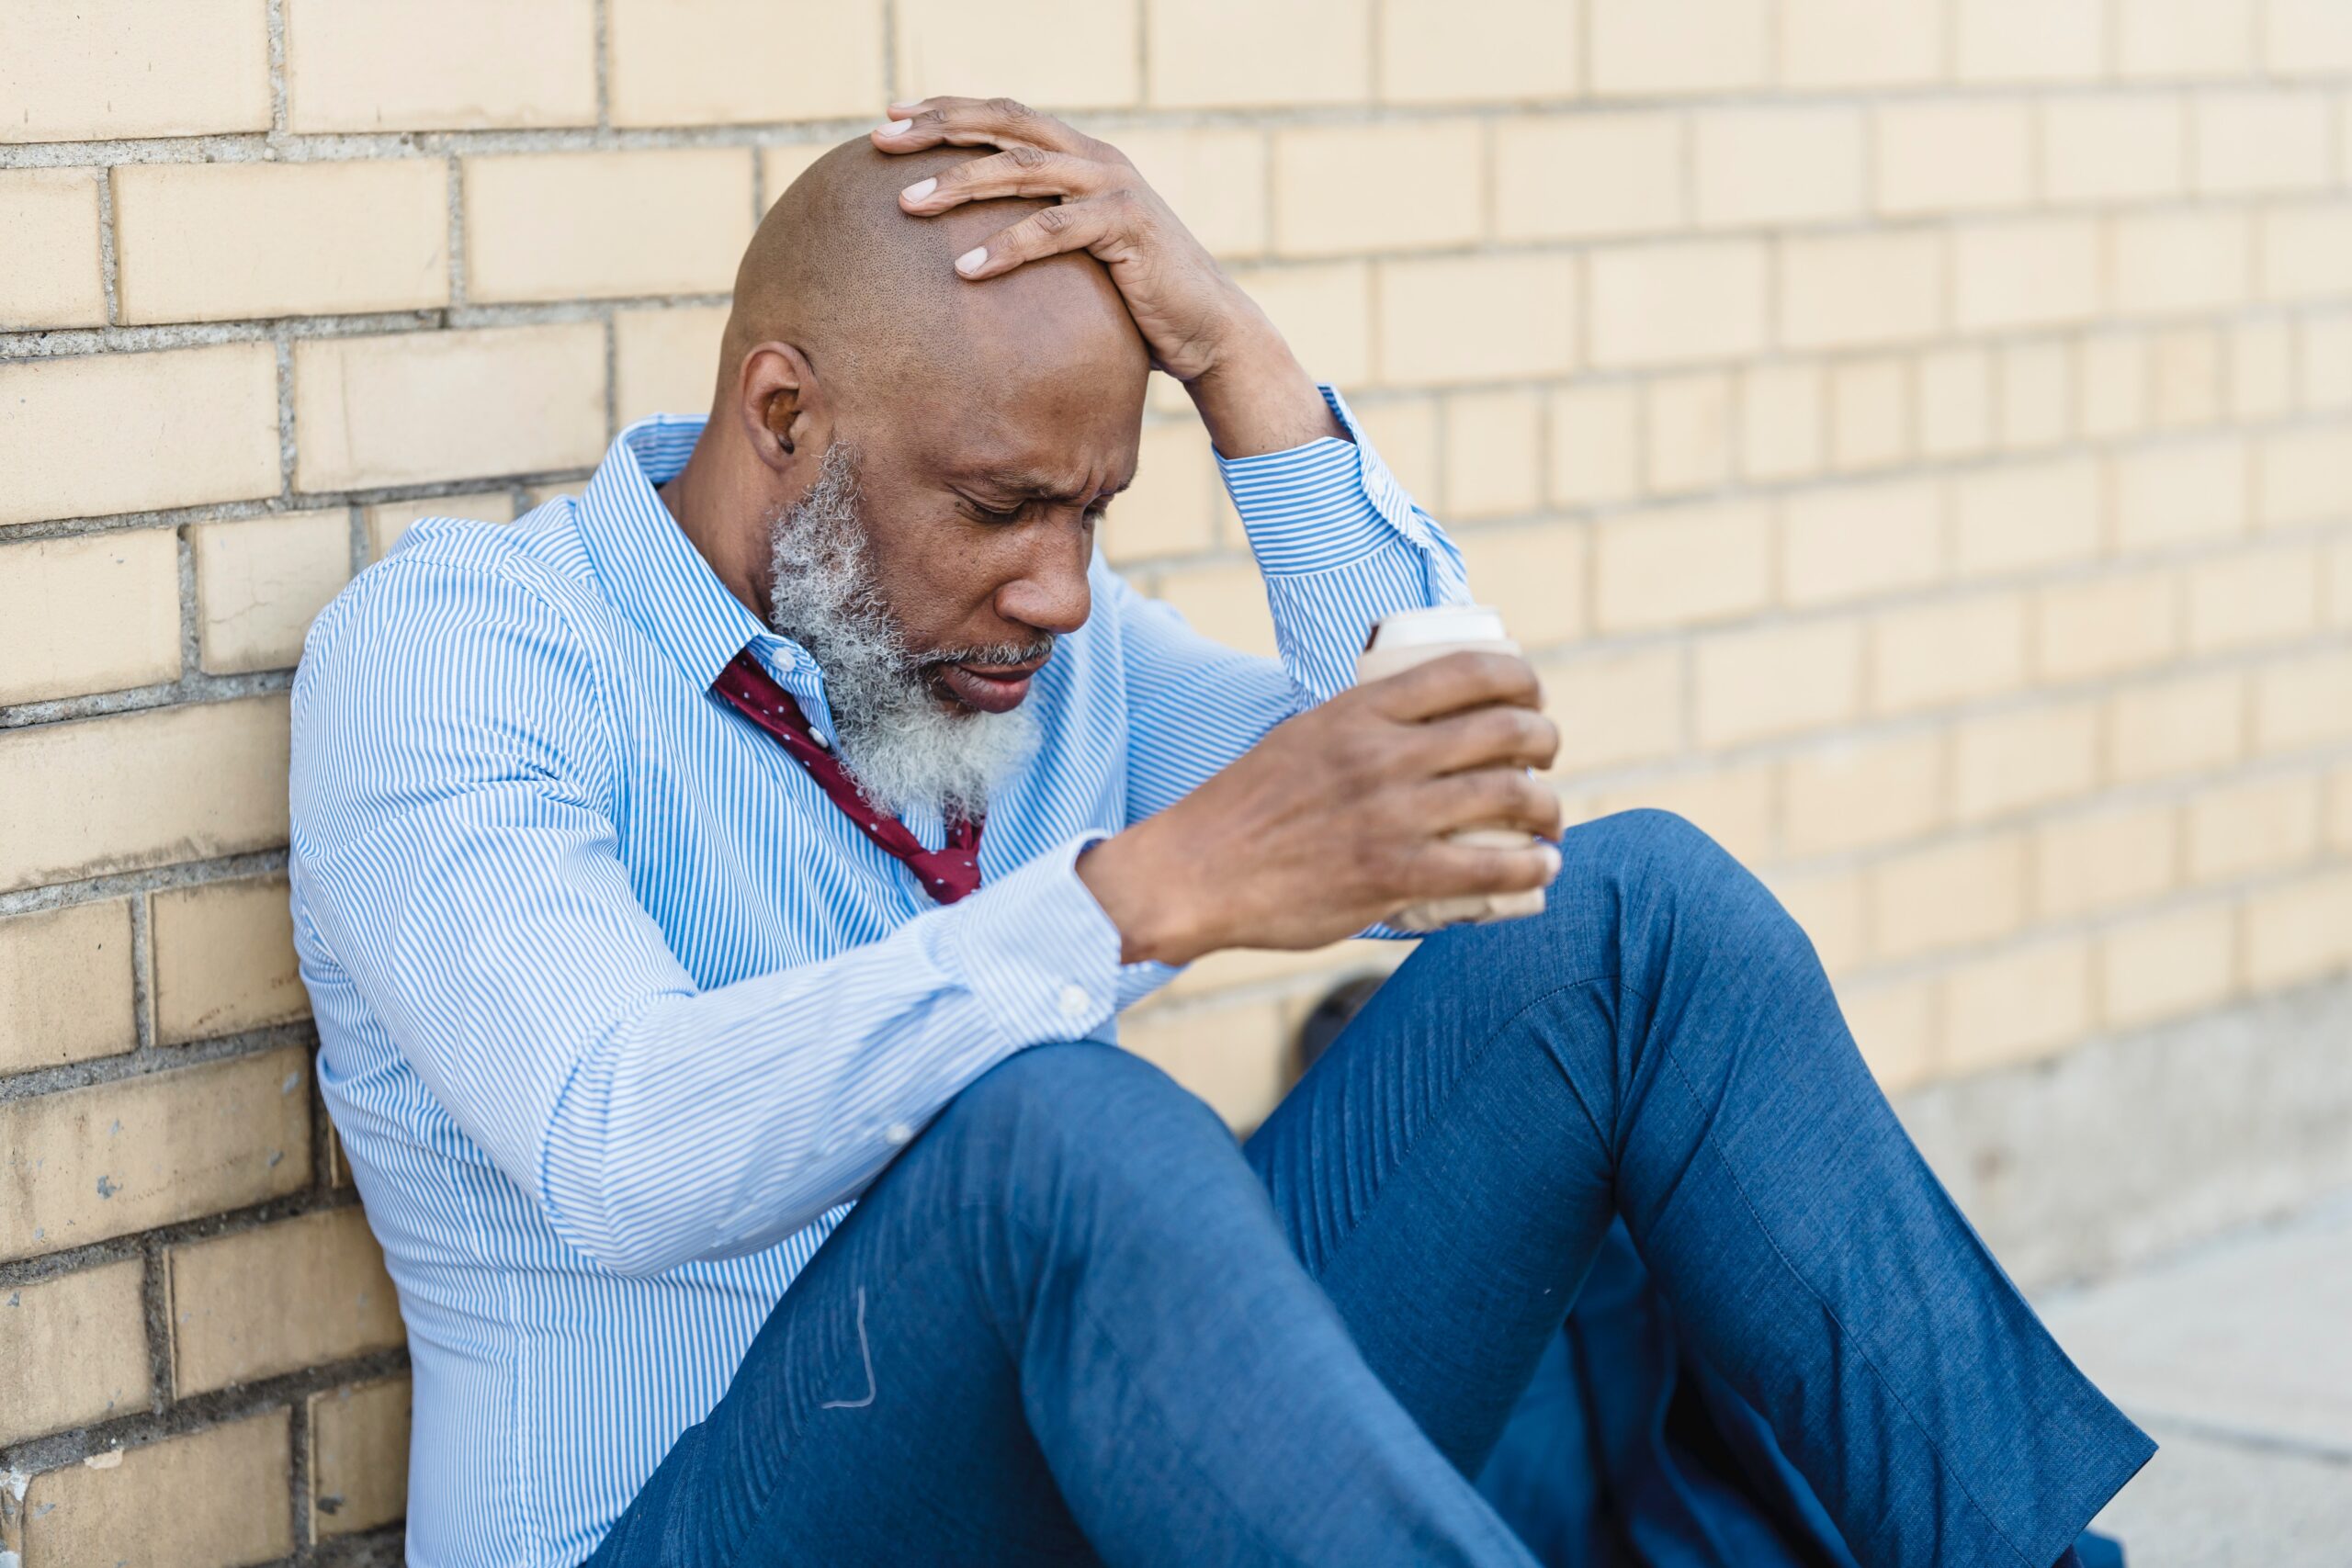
point(1440, 623)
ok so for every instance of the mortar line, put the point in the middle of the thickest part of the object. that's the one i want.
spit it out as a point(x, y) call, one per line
point(109, 267)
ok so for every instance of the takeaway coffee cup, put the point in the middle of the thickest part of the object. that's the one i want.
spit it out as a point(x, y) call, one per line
point(1399, 642)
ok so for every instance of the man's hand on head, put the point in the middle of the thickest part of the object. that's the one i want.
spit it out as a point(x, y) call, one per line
point(1202, 329)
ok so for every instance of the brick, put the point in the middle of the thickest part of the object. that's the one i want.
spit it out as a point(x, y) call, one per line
point(1230, 53)
point(1494, 453)
point(2008, 762)
point(1782, 429)
point(358, 1469)
point(1475, 317)
point(415, 408)
point(1595, 445)
point(666, 361)
point(256, 1302)
point(201, 1500)
point(1852, 794)
point(217, 241)
point(2262, 140)
point(2035, 272)
point(2159, 39)
point(1897, 1026)
point(2113, 385)
point(1861, 43)
point(1831, 906)
point(602, 225)
point(2030, 40)
point(2105, 859)
point(2026, 518)
point(388, 521)
point(1225, 603)
point(2185, 378)
point(1777, 165)
point(2176, 262)
point(2306, 252)
point(2340, 810)
point(1403, 431)
point(1435, 51)
point(2037, 397)
point(48, 250)
point(1592, 175)
point(95, 613)
point(1956, 651)
point(1955, 403)
point(1062, 54)
point(2261, 370)
point(1333, 185)
point(2017, 1006)
point(1681, 566)
point(2179, 494)
point(1853, 542)
point(227, 762)
point(2326, 360)
point(2160, 967)
point(1732, 805)
point(1688, 431)
point(439, 65)
point(1236, 967)
point(2119, 148)
point(1954, 895)
point(2299, 932)
point(1668, 303)
point(2183, 724)
point(744, 62)
point(132, 68)
point(2338, 591)
point(1214, 177)
point(2242, 601)
point(259, 581)
point(1679, 46)
point(2304, 476)
point(1534, 576)
point(77, 1350)
point(64, 990)
point(1782, 681)
point(1616, 708)
point(1870, 413)
point(2257, 824)
point(224, 959)
point(87, 1165)
point(2307, 37)
point(1952, 155)
point(99, 433)
point(2087, 629)
point(1325, 312)
point(1171, 511)
point(1236, 1056)
point(2304, 702)
point(781, 168)
point(1858, 290)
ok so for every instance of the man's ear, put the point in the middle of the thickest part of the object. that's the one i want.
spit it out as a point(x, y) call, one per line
point(782, 407)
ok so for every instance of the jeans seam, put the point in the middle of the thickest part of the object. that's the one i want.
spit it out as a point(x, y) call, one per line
point(1861, 1349)
point(1477, 1055)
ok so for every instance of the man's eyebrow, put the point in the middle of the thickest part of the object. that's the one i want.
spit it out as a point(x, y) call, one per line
point(1035, 487)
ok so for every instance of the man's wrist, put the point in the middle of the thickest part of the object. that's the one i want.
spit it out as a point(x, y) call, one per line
point(1256, 398)
point(1146, 907)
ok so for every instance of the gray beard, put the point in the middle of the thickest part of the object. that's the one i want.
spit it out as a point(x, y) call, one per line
point(903, 748)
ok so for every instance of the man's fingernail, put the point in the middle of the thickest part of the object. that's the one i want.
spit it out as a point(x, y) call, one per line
point(897, 128)
point(919, 189)
point(1551, 861)
point(970, 260)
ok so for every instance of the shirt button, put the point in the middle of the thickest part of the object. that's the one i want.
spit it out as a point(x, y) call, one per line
point(897, 1133)
point(1076, 1003)
point(821, 743)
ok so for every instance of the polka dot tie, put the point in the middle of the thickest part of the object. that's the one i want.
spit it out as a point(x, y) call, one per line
point(947, 874)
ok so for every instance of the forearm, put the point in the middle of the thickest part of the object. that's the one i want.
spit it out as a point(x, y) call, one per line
point(1257, 398)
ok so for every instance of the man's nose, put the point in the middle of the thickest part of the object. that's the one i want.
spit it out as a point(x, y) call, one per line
point(1052, 594)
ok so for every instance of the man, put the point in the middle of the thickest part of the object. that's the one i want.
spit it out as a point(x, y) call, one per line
point(753, 853)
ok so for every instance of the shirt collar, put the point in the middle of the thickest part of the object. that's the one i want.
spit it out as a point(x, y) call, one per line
point(651, 570)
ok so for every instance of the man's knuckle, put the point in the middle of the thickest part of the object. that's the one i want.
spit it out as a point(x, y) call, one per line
point(1027, 157)
point(1009, 109)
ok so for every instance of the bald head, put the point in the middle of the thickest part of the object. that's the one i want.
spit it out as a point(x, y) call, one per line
point(871, 295)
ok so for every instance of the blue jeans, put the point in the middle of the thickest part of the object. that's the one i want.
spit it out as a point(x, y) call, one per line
point(1073, 1323)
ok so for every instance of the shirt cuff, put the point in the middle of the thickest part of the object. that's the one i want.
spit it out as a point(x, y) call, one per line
point(1043, 957)
point(1325, 505)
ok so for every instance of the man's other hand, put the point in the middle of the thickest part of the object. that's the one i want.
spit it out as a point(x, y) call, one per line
point(1338, 818)
point(1201, 328)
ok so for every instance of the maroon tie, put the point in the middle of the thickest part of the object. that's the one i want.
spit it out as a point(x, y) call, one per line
point(946, 875)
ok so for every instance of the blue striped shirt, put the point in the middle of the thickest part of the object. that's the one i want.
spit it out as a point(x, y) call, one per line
point(618, 1014)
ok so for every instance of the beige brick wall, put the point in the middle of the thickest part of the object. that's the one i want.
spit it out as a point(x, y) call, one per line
point(1915, 437)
